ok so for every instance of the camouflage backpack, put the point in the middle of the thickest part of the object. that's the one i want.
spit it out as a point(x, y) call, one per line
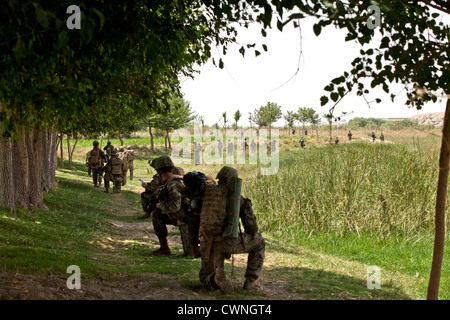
point(214, 210)
point(94, 157)
point(124, 157)
point(130, 155)
point(116, 166)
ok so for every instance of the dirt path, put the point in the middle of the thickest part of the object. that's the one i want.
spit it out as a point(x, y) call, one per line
point(147, 286)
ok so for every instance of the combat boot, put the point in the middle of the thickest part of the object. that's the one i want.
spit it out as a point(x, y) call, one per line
point(251, 284)
point(163, 250)
point(220, 279)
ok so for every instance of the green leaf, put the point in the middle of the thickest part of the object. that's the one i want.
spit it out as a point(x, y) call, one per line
point(242, 51)
point(19, 50)
point(334, 96)
point(42, 17)
point(317, 29)
point(323, 100)
point(100, 16)
point(280, 25)
point(221, 64)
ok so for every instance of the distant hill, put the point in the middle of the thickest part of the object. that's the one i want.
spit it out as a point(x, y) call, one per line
point(433, 119)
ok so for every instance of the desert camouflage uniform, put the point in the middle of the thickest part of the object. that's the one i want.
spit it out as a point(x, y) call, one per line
point(171, 207)
point(109, 148)
point(130, 156)
point(124, 157)
point(250, 241)
point(97, 173)
point(152, 190)
point(114, 173)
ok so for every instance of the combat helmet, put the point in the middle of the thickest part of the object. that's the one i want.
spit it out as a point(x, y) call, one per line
point(162, 162)
point(129, 147)
point(225, 174)
point(121, 148)
point(114, 152)
point(95, 143)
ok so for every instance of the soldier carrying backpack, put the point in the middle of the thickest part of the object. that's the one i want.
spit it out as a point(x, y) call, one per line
point(114, 172)
point(221, 204)
point(95, 161)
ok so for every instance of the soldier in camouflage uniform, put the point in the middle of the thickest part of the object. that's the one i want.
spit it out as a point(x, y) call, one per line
point(95, 159)
point(150, 195)
point(108, 149)
point(114, 172)
point(124, 157)
point(212, 274)
point(130, 157)
point(169, 207)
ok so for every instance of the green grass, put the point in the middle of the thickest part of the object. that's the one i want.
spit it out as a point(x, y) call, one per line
point(322, 216)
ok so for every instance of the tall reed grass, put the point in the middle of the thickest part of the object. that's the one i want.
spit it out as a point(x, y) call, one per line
point(380, 190)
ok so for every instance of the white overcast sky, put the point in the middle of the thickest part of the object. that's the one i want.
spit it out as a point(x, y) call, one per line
point(246, 83)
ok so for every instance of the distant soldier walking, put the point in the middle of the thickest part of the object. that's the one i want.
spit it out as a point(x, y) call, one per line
point(382, 137)
point(220, 148)
point(130, 157)
point(108, 149)
point(96, 160)
point(124, 157)
point(114, 172)
point(253, 146)
point(373, 136)
point(349, 135)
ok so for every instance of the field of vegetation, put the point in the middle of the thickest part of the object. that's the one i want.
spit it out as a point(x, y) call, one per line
point(329, 213)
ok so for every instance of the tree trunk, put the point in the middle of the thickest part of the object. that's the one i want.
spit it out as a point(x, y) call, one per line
point(151, 139)
point(6, 174)
point(35, 168)
point(168, 139)
point(441, 199)
point(53, 155)
point(71, 152)
point(61, 149)
point(165, 141)
point(20, 169)
point(45, 161)
point(120, 139)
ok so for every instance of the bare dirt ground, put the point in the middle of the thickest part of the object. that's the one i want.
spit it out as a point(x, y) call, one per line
point(147, 286)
